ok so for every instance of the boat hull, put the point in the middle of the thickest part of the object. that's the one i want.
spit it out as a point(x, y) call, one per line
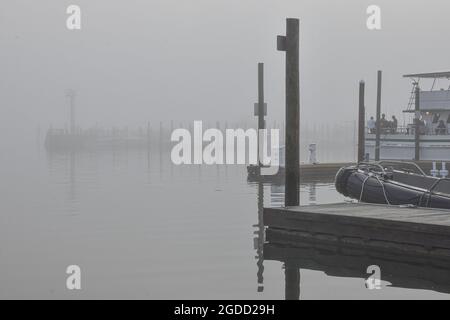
point(367, 188)
point(402, 147)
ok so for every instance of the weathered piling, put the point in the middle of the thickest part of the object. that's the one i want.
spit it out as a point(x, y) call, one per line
point(290, 44)
point(160, 136)
point(292, 281)
point(149, 135)
point(260, 106)
point(71, 96)
point(361, 123)
point(378, 125)
point(417, 125)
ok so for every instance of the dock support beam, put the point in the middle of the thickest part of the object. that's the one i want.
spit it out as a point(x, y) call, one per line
point(417, 125)
point(378, 128)
point(361, 124)
point(290, 44)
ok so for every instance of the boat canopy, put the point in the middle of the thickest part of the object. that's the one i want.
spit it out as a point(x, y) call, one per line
point(435, 101)
point(430, 75)
point(432, 101)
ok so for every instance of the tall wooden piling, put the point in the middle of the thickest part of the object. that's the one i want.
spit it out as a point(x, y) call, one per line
point(160, 137)
point(361, 123)
point(378, 125)
point(148, 135)
point(291, 281)
point(417, 125)
point(261, 111)
point(71, 96)
point(290, 44)
point(260, 107)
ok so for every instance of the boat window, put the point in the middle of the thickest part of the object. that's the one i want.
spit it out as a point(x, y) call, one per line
point(443, 187)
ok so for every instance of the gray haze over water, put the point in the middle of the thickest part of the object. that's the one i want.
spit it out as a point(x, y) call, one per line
point(135, 61)
point(141, 228)
point(138, 226)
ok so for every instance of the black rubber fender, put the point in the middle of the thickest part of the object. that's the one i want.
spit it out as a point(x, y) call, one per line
point(341, 179)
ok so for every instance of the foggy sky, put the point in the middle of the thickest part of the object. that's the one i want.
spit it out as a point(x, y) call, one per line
point(137, 61)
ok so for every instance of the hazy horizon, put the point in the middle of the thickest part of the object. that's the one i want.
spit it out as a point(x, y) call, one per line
point(139, 61)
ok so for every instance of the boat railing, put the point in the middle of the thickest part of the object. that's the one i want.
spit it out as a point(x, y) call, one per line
point(368, 165)
point(409, 130)
point(389, 130)
point(381, 165)
point(413, 164)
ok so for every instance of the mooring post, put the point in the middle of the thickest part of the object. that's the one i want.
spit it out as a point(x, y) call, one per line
point(417, 125)
point(148, 134)
point(71, 95)
point(362, 122)
point(291, 281)
point(260, 108)
point(160, 136)
point(378, 124)
point(290, 44)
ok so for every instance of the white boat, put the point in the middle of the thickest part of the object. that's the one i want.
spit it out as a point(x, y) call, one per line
point(430, 114)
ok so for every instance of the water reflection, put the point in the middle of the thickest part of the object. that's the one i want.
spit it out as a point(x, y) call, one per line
point(398, 269)
point(119, 206)
point(312, 193)
point(291, 270)
point(260, 239)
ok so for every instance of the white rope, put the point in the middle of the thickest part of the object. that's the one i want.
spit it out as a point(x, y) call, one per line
point(362, 188)
point(384, 191)
point(382, 187)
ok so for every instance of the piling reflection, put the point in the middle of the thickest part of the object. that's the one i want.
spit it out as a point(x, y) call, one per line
point(291, 270)
point(399, 269)
point(260, 239)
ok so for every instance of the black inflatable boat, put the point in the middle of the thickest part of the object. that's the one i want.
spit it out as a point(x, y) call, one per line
point(393, 183)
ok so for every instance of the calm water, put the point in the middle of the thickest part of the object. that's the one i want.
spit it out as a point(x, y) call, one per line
point(141, 228)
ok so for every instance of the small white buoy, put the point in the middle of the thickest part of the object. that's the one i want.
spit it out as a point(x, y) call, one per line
point(434, 172)
point(444, 171)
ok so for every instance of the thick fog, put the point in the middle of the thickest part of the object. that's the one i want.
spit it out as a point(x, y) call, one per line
point(115, 204)
point(138, 61)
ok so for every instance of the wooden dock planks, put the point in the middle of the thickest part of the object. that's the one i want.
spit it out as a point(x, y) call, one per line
point(412, 229)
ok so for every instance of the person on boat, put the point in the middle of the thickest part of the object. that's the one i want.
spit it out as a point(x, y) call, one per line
point(422, 126)
point(448, 123)
point(441, 128)
point(384, 124)
point(394, 124)
point(371, 125)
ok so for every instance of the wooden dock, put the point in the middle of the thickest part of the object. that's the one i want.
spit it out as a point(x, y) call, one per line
point(412, 230)
point(330, 169)
point(308, 172)
point(322, 172)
